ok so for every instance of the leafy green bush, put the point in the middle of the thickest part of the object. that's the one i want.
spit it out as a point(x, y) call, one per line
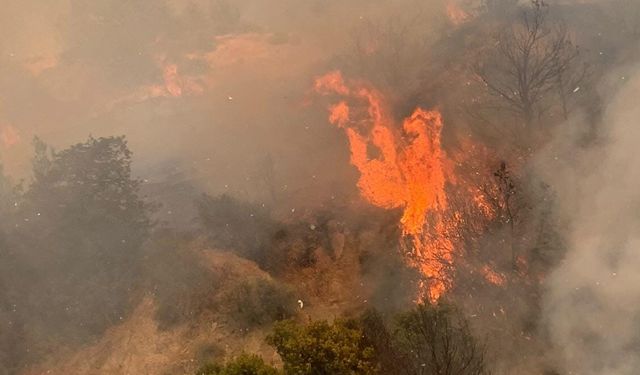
point(388, 356)
point(245, 364)
point(257, 302)
point(321, 348)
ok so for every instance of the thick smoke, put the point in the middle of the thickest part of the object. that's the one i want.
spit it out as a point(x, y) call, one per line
point(593, 302)
point(212, 89)
point(214, 96)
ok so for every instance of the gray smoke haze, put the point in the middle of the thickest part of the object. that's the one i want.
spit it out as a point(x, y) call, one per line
point(216, 94)
point(592, 308)
point(211, 87)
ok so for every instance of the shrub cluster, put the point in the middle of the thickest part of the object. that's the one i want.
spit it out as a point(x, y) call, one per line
point(260, 301)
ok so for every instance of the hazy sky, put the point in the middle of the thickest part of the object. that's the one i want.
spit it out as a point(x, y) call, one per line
point(213, 86)
point(217, 88)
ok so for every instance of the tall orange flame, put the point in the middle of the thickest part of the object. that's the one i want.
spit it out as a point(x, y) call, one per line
point(400, 167)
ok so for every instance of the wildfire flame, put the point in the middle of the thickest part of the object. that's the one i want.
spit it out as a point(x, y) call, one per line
point(492, 276)
point(174, 84)
point(400, 167)
point(9, 135)
point(455, 13)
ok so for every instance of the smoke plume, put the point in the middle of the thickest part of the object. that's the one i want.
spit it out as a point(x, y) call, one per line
point(592, 305)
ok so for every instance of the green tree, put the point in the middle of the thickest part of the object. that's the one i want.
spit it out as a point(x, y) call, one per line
point(82, 225)
point(10, 199)
point(70, 248)
point(321, 348)
point(6, 191)
point(389, 357)
point(12, 326)
point(245, 364)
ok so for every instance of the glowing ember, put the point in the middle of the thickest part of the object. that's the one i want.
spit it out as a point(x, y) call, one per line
point(456, 15)
point(175, 85)
point(9, 135)
point(172, 81)
point(492, 276)
point(38, 65)
point(400, 167)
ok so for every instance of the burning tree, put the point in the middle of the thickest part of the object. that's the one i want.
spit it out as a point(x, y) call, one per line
point(404, 166)
point(397, 169)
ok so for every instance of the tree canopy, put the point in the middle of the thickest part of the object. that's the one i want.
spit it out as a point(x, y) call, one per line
point(72, 252)
point(323, 348)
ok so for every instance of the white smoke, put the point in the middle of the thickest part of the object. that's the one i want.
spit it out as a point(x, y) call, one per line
point(592, 308)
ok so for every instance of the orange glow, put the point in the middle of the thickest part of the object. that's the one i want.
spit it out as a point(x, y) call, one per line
point(492, 276)
point(171, 80)
point(472, 157)
point(38, 65)
point(238, 49)
point(9, 136)
point(174, 85)
point(400, 167)
point(456, 15)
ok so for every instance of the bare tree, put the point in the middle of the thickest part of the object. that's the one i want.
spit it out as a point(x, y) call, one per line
point(395, 54)
point(426, 340)
point(531, 58)
point(437, 340)
point(506, 207)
